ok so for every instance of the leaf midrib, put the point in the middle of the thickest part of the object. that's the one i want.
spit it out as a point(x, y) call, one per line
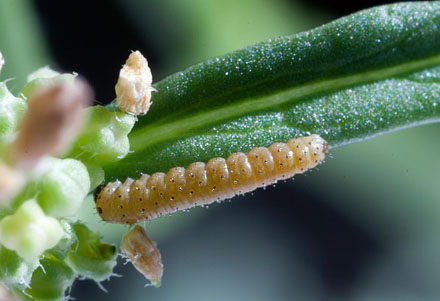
point(159, 131)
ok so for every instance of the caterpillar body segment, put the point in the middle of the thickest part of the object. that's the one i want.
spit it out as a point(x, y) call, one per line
point(200, 184)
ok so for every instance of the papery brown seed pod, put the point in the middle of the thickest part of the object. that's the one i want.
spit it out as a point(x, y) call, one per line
point(52, 120)
point(144, 254)
point(133, 89)
point(201, 184)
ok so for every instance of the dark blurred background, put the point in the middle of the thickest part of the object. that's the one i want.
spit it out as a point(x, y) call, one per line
point(364, 226)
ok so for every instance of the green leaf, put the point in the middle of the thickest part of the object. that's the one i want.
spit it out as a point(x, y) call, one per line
point(50, 280)
point(89, 257)
point(14, 270)
point(363, 75)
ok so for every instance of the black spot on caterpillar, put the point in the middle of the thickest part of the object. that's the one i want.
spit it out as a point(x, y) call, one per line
point(200, 184)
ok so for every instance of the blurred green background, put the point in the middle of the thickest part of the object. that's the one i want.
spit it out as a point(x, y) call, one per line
point(364, 226)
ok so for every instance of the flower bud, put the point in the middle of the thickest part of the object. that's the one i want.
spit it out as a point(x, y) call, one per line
point(43, 72)
point(62, 188)
point(44, 78)
point(105, 136)
point(29, 232)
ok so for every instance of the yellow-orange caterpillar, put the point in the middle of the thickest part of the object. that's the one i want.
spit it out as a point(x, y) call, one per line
point(200, 184)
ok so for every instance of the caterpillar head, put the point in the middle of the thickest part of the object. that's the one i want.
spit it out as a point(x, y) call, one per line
point(97, 192)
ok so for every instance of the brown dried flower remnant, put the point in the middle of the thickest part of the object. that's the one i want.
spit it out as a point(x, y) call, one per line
point(133, 89)
point(54, 115)
point(144, 254)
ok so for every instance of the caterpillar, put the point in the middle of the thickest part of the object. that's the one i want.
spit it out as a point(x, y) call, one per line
point(143, 253)
point(200, 184)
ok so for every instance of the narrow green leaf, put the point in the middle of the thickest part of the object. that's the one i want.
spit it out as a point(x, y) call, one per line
point(363, 75)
